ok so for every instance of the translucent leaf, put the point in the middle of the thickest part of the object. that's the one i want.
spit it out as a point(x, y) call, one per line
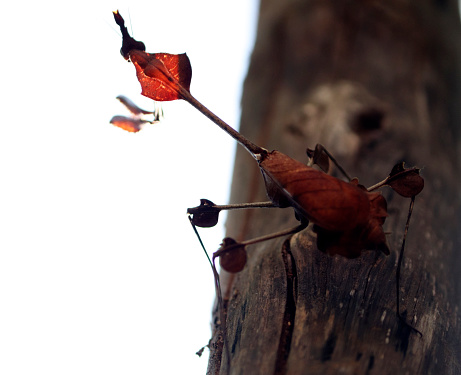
point(162, 75)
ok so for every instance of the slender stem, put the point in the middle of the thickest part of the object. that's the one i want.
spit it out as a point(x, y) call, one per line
point(253, 149)
point(271, 236)
point(200, 240)
point(399, 267)
point(217, 285)
point(378, 185)
point(341, 169)
point(222, 316)
point(282, 233)
point(239, 206)
point(394, 177)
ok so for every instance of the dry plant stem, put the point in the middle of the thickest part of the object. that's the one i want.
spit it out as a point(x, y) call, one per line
point(239, 206)
point(337, 164)
point(282, 233)
point(200, 240)
point(394, 177)
point(378, 185)
point(399, 266)
point(256, 151)
point(268, 237)
point(218, 293)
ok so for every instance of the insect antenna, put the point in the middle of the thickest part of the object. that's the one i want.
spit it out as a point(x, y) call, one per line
point(217, 285)
point(200, 240)
point(399, 266)
point(113, 29)
point(131, 23)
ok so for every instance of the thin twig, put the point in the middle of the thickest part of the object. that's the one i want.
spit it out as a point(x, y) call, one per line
point(399, 266)
point(256, 151)
point(336, 163)
point(238, 206)
point(217, 284)
point(267, 237)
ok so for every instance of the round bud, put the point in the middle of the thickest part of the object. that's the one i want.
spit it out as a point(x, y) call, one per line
point(233, 257)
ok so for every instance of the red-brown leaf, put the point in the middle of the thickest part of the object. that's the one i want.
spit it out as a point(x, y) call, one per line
point(233, 255)
point(163, 76)
point(405, 181)
point(323, 199)
point(348, 218)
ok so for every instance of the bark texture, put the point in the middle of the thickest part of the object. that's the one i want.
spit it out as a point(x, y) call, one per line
point(376, 82)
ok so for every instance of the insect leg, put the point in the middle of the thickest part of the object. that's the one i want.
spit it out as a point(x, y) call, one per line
point(399, 266)
point(206, 215)
point(320, 156)
point(217, 285)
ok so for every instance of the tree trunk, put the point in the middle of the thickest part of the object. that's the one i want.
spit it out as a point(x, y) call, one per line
point(375, 82)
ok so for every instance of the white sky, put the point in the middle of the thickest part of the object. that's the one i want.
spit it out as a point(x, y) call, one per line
point(100, 272)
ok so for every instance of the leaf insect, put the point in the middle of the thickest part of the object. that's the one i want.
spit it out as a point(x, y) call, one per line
point(347, 217)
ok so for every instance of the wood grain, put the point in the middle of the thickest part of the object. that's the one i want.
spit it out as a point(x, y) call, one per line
point(376, 83)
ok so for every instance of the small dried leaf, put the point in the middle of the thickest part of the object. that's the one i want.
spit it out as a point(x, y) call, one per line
point(206, 215)
point(405, 181)
point(400, 167)
point(318, 156)
point(233, 255)
point(320, 198)
point(412, 184)
point(162, 75)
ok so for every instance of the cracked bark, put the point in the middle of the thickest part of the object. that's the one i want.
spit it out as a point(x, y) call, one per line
point(289, 315)
point(376, 83)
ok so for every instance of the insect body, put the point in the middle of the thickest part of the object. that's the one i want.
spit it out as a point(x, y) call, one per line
point(347, 217)
point(341, 210)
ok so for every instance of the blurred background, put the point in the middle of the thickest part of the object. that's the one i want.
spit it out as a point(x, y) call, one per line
point(100, 271)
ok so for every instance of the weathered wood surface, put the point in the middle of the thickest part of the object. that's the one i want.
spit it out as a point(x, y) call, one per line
point(376, 82)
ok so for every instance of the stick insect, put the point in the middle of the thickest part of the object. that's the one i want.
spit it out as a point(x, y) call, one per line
point(347, 217)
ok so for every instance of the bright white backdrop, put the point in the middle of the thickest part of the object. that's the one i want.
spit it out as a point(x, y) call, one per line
point(100, 272)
